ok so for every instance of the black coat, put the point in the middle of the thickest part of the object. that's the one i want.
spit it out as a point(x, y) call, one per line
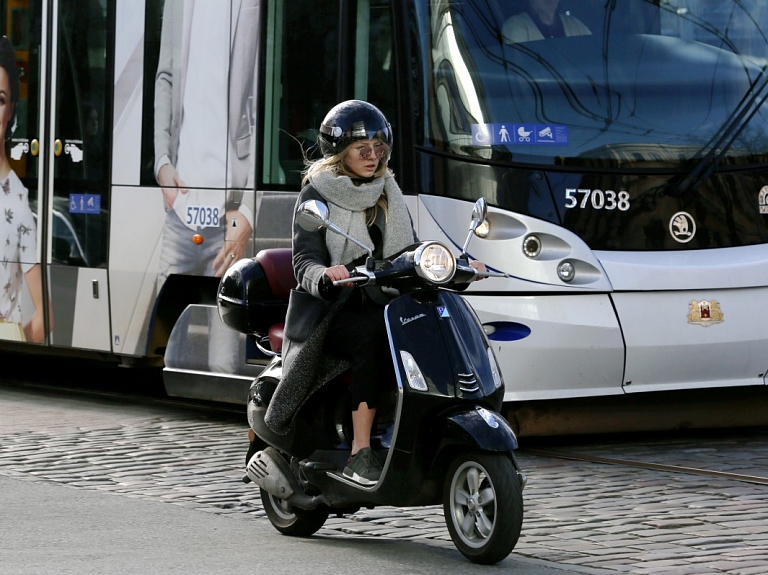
point(311, 309)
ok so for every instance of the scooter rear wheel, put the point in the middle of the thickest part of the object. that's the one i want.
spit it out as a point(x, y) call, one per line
point(483, 506)
point(291, 521)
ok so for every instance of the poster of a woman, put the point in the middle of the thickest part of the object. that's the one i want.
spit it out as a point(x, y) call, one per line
point(18, 231)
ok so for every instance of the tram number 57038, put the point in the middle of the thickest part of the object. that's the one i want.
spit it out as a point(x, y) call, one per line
point(596, 199)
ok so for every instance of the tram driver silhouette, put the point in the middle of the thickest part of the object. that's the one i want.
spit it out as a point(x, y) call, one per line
point(541, 20)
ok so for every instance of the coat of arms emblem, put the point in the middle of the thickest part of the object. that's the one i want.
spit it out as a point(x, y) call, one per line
point(705, 312)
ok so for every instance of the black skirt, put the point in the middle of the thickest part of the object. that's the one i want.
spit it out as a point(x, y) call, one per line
point(359, 333)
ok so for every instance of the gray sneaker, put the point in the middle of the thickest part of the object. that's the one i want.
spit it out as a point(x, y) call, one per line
point(364, 467)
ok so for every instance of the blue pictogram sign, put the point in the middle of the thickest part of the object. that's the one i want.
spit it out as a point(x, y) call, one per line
point(84, 203)
point(519, 134)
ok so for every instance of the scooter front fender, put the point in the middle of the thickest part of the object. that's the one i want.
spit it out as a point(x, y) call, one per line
point(478, 428)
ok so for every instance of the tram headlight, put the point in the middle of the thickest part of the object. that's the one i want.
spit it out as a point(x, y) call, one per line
point(413, 374)
point(531, 246)
point(566, 271)
point(435, 263)
point(483, 230)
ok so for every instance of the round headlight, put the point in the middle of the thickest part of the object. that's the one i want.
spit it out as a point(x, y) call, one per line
point(566, 271)
point(435, 263)
point(531, 246)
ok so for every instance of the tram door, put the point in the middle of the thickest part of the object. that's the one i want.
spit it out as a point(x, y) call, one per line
point(57, 204)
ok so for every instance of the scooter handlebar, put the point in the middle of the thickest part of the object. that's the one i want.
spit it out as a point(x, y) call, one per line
point(352, 280)
point(465, 274)
point(487, 274)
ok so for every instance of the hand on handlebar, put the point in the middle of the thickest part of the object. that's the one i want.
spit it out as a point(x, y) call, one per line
point(337, 273)
point(480, 267)
point(482, 272)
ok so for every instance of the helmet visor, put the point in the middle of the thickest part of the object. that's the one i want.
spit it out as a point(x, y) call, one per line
point(357, 131)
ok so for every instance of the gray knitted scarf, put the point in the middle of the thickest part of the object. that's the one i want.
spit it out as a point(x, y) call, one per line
point(347, 204)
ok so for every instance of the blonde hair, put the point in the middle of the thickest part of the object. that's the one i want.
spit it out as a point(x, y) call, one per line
point(336, 165)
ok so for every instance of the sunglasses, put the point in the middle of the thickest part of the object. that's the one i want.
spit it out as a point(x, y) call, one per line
point(376, 151)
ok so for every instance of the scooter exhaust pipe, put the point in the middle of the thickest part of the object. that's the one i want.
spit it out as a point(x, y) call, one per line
point(265, 471)
point(271, 472)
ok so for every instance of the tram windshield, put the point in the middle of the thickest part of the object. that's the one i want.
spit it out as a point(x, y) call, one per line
point(585, 83)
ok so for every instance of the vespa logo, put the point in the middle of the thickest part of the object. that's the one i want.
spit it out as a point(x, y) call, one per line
point(682, 227)
point(407, 320)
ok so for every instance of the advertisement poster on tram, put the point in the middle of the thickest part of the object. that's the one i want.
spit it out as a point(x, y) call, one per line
point(21, 297)
point(195, 169)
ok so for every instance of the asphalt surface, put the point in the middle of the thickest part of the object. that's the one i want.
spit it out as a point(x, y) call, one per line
point(49, 528)
point(117, 485)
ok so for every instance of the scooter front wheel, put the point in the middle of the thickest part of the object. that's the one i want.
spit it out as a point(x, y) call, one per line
point(291, 521)
point(483, 506)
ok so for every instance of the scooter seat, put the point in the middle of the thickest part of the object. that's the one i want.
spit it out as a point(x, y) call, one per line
point(277, 264)
point(276, 337)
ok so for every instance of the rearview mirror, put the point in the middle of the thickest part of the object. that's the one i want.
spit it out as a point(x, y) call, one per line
point(312, 215)
point(479, 214)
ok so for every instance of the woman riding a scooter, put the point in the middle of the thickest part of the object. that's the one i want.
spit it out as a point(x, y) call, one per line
point(365, 201)
point(374, 327)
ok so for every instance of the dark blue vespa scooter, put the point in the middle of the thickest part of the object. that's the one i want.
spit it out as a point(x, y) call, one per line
point(441, 437)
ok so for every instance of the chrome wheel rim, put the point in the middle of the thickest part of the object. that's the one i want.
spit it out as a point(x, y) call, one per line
point(473, 504)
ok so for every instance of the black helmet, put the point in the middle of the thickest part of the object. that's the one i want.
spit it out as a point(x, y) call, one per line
point(350, 121)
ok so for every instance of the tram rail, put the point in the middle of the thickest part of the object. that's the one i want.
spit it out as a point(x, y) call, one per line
point(646, 465)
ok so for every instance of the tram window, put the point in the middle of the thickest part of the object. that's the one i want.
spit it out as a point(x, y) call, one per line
point(81, 165)
point(376, 68)
point(729, 26)
point(81, 81)
point(300, 81)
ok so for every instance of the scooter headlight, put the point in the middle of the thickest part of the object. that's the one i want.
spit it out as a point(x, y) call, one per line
point(412, 372)
point(435, 263)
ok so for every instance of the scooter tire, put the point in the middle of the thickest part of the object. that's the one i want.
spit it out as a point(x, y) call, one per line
point(483, 506)
point(291, 521)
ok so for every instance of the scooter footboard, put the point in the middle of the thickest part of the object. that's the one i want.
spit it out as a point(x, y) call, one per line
point(479, 428)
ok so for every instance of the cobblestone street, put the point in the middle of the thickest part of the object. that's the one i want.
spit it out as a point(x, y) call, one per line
point(577, 513)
